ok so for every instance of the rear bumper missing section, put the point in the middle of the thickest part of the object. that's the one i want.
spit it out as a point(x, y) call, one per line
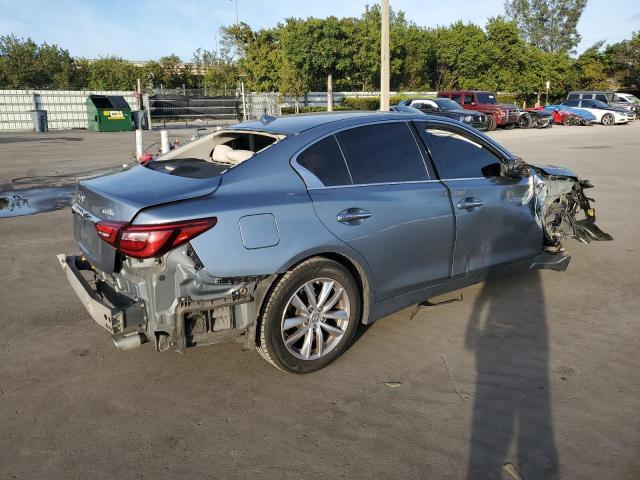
point(113, 319)
point(166, 300)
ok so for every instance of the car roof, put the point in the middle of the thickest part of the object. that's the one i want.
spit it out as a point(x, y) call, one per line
point(293, 124)
point(588, 92)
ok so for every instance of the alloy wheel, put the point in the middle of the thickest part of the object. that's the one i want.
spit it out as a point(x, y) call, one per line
point(315, 319)
point(607, 119)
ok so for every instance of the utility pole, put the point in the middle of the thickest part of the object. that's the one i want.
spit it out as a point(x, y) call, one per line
point(237, 21)
point(384, 58)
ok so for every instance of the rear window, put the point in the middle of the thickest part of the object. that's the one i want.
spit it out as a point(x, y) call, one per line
point(325, 161)
point(382, 153)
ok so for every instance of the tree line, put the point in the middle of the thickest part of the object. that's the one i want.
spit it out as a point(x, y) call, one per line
point(532, 43)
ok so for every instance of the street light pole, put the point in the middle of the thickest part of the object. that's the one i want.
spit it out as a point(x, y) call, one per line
point(384, 58)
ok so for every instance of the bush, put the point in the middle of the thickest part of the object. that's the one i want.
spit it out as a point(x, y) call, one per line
point(373, 103)
point(292, 110)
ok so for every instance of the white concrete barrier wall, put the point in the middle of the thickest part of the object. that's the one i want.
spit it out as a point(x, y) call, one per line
point(66, 109)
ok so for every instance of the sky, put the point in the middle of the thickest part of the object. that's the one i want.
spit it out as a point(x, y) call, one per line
point(150, 29)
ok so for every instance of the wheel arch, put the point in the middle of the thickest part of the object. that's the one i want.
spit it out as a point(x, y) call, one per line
point(354, 266)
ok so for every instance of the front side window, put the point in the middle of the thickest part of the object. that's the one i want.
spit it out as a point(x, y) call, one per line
point(485, 97)
point(382, 153)
point(602, 98)
point(458, 156)
point(324, 159)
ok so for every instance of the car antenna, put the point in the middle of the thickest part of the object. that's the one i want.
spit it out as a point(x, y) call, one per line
point(265, 119)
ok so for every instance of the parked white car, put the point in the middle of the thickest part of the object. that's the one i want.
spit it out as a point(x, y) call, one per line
point(605, 114)
point(630, 101)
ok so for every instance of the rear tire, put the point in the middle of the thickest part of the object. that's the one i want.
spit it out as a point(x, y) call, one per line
point(491, 123)
point(294, 333)
point(525, 121)
point(608, 119)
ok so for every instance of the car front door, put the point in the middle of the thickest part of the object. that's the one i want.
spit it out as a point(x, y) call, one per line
point(493, 226)
point(386, 205)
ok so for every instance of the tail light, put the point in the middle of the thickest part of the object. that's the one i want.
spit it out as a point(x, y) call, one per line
point(149, 241)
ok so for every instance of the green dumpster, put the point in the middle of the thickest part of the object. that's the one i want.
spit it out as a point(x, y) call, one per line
point(108, 113)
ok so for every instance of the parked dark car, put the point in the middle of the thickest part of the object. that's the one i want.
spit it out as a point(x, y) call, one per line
point(531, 118)
point(287, 233)
point(448, 108)
point(499, 114)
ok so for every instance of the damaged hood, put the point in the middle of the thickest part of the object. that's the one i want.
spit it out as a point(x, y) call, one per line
point(555, 171)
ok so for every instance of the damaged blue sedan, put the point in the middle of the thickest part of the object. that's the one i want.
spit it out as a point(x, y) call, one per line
point(287, 233)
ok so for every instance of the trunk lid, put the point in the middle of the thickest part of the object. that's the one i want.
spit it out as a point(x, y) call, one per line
point(119, 197)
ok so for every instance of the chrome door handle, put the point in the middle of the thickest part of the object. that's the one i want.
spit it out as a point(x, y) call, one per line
point(353, 216)
point(469, 203)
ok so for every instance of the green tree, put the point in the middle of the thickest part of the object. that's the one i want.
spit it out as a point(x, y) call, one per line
point(622, 61)
point(460, 57)
point(550, 25)
point(23, 63)
point(318, 48)
point(112, 73)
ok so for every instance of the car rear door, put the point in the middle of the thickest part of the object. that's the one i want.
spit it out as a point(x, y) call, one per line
point(493, 227)
point(381, 200)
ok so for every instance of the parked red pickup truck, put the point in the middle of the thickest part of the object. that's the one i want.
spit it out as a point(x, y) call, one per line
point(499, 114)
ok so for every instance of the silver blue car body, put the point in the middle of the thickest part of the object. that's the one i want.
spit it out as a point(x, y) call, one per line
point(404, 241)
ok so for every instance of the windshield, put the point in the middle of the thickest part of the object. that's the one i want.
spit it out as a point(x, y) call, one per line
point(486, 97)
point(446, 104)
point(404, 109)
point(599, 104)
point(631, 98)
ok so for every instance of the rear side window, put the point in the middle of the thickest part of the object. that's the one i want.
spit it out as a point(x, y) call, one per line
point(324, 159)
point(468, 99)
point(571, 103)
point(587, 104)
point(573, 96)
point(457, 98)
point(382, 153)
point(458, 156)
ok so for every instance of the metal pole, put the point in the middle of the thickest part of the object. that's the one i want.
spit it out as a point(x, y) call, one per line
point(244, 102)
point(164, 141)
point(330, 92)
point(237, 21)
point(384, 58)
point(139, 93)
point(138, 143)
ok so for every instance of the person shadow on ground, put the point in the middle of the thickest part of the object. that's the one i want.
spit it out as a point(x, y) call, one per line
point(512, 431)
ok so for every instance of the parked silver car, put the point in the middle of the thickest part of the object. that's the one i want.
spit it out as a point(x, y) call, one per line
point(288, 233)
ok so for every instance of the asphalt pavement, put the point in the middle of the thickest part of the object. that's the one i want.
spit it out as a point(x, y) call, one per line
point(536, 372)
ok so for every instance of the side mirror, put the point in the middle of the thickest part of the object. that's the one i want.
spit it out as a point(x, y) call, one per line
point(514, 168)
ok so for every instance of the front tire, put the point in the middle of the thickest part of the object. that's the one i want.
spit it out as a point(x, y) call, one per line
point(491, 123)
point(310, 316)
point(608, 119)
